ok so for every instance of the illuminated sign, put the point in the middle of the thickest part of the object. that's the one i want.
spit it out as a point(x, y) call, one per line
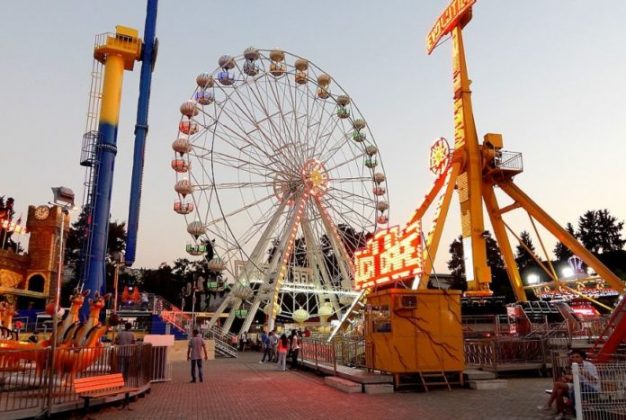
point(448, 20)
point(391, 255)
point(439, 156)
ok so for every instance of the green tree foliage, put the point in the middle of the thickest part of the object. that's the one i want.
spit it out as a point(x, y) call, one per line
point(116, 242)
point(561, 252)
point(600, 232)
point(523, 258)
point(499, 280)
point(456, 265)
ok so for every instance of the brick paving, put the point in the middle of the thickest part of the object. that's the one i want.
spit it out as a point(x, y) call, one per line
point(244, 389)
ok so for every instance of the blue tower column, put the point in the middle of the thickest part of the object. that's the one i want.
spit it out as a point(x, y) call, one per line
point(118, 53)
point(148, 58)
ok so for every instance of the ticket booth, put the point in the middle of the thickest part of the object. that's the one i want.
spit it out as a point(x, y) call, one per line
point(414, 332)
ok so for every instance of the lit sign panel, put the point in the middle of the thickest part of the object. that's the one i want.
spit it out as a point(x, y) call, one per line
point(448, 20)
point(391, 255)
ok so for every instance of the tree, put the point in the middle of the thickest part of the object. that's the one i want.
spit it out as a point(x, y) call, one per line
point(77, 235)
point(499, 279)
point(561, 252)
point(523, 258)
point(456, 264)
point(600, 232)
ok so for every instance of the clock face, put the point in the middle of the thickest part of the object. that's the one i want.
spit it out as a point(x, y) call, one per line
point(42, 212)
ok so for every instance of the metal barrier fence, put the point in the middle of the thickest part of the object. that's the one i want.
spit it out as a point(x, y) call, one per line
point(498, 352)
point(350, 352)
point(25, 375)
point(319, 352)
point(344, 351)
point(604, 398)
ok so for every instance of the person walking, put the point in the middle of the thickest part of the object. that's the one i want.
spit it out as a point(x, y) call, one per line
point(265, 346)
point(283, 348)
point(296, 342)
point(273, 346)
point(124, 352)
point(196, 344)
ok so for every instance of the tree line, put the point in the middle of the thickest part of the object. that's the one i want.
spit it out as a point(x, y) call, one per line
point(597, 230)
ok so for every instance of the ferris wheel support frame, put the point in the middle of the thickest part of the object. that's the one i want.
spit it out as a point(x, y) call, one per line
point(250, 265)
point(285, 244)
point(317, 262)
point(272, 271)
point(337, 244)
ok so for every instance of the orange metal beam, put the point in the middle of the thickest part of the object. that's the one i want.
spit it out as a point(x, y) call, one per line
point(491, 202)
point(561, 234)
point(434, 236)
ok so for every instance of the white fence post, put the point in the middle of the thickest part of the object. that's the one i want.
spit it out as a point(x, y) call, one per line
point(577, 394)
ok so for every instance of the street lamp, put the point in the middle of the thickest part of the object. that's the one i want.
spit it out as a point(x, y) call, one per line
point(63, 199)
point(533, 278)
point(118, 260)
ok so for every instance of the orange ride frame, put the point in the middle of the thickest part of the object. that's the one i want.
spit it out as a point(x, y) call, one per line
point(474, 171)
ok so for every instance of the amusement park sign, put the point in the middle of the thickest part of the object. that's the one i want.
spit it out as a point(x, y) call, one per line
point(448, 20)
point(391, 255)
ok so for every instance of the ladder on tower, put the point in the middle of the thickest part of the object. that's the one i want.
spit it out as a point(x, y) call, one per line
point(612, 336)
point(88, 157)
point(354, 311)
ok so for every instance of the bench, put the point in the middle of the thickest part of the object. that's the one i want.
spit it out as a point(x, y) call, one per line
point(102, 386)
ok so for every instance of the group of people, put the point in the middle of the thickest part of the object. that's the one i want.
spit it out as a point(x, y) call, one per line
point(278, 349)
point(562, 394)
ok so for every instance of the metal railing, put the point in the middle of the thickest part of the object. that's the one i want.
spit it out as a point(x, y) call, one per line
point(509, 160)
point(25, 383)
point(497, 352)
point(604, 398)
point(319, 352)
point(348, 352)
point(223, 341)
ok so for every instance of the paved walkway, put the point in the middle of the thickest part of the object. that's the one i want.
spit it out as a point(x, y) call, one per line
point(244, 389)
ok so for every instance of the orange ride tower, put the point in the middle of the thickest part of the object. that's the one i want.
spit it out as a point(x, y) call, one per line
point(474, 170)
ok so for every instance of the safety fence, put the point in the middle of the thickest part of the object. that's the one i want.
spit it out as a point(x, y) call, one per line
point(340, 352)
point(28, 385)
point(506, 353)
point(319, 352)
point(601, 399)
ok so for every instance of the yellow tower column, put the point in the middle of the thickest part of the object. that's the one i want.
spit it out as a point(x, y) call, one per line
point(469, 181)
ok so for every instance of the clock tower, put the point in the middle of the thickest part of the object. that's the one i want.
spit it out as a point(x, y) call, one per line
point(44, 224)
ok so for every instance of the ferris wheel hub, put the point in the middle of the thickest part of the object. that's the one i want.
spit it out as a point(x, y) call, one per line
point(315, 177)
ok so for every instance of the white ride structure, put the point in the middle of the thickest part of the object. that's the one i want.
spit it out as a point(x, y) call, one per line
point(277, 169)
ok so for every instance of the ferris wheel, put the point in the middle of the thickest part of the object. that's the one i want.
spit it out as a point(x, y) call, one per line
point(278, 172)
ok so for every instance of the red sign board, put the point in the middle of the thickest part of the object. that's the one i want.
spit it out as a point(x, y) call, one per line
point(391, 255)
point(448, 20)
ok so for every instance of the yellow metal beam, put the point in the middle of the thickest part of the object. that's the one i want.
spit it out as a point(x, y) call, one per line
point(561, 234)
point(469, 181)
point(434, 236)
point(491, 202)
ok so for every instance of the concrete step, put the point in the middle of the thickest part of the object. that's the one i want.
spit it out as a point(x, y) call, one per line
point(378, 388)
point(343, 384)
point(488, 384)
point(477, 375)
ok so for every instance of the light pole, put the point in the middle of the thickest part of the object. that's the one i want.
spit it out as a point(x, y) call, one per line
point(118, 260)
point(63, 199)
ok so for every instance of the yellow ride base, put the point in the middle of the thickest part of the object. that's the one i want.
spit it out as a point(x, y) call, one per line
point(414, 331)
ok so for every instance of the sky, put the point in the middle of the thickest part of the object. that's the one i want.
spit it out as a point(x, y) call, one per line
point(548, 75)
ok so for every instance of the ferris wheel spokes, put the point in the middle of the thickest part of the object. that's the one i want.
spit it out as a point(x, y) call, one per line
point(276, 177)
point(316, 261)
point(344, 261)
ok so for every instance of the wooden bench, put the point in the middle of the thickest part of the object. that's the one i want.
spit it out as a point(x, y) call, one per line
point(102, 386)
